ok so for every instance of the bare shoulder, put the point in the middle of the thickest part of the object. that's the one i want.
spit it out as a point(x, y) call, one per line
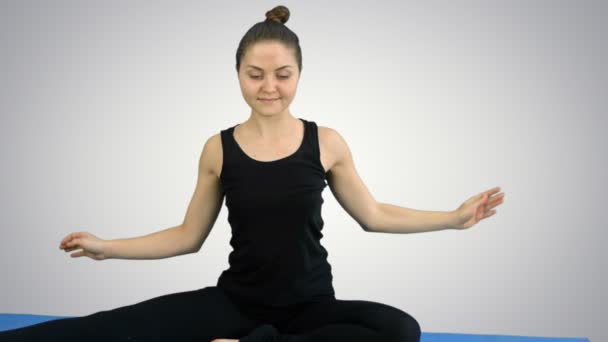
point(212, 155)
point(325, 134)
point(333, 147)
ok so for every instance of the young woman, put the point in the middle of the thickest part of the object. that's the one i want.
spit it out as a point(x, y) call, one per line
point(272, 170)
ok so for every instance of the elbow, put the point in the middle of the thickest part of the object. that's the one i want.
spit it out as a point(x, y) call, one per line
point(370, 223)
point(189, 242)
point(195, 249)
point(367, 226)
point(190, 250)
point(193, 246)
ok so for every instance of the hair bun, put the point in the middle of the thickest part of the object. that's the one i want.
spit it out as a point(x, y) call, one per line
point(279, 14)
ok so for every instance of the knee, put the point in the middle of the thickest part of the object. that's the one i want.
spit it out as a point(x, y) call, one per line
point(405, 328)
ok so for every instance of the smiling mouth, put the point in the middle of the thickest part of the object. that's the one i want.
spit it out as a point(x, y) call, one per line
point(268, 99)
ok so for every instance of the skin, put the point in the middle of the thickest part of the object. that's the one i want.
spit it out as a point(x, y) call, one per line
point(271, 132)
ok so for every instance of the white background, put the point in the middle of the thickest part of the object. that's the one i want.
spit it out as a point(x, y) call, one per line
point(105, 107)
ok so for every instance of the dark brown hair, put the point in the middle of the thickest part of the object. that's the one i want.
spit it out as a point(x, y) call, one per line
point(271, 29)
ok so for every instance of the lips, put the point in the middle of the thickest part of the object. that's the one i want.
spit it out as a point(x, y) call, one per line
point(268, 99)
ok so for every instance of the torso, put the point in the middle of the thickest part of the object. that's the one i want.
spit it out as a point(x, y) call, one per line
point(269, 153)
point(271, 265)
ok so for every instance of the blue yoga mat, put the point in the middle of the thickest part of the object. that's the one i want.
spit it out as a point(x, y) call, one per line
point(14, 321)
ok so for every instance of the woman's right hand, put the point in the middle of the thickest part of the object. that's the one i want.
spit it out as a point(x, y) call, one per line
point(91, 245)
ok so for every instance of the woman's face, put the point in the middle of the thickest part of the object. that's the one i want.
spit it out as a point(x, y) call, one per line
point(268, 70)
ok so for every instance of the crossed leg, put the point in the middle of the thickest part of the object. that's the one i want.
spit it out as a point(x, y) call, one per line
point(199, 315)
point(344, 320)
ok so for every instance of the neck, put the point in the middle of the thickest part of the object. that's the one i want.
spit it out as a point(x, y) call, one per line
point(271, 127)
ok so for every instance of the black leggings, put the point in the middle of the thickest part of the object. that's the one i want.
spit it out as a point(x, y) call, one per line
point(209, 313)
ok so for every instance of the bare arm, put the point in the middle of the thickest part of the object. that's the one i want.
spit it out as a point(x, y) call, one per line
point(390, 218)
point(200, 217)
point(373, 216)
point(162, 244)
point(207, 199)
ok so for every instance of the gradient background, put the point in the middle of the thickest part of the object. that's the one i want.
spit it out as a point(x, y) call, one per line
point(105, 107)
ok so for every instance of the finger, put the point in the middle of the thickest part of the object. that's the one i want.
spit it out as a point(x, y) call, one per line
point(65, 239)
point(68, 238)
point(73, 246)
point(90, 255)
point(491, 213)
point(498, 196)
point(493, 190)
point(78, 254)
point(495, 202)
point(490, 192)
point(494, 205)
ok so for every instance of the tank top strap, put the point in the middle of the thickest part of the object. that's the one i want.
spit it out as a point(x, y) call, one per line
point(229, 156)
point(308, 152)
point(312, 148)
point(228, 143)
point(312, 139)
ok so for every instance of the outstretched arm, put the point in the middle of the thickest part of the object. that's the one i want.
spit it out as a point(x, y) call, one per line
point(394, 219)
point(353, 195)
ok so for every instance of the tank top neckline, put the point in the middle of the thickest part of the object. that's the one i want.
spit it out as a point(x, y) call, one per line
point(300, 147)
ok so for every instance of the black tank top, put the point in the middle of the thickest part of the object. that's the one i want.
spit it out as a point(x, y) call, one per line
point(274, 210)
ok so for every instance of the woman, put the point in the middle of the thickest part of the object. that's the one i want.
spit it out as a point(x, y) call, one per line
point(272, 170)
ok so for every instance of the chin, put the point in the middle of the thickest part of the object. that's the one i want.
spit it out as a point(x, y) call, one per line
point(267, 111)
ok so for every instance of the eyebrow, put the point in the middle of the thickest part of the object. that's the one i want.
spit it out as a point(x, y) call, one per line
point(283, 67)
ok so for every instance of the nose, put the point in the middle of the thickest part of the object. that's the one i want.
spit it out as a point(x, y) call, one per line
point(268, 86)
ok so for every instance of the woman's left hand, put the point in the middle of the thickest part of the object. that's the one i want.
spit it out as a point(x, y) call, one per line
point(477, 208)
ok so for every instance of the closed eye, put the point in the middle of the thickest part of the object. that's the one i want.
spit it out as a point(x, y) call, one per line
point(259, 77)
